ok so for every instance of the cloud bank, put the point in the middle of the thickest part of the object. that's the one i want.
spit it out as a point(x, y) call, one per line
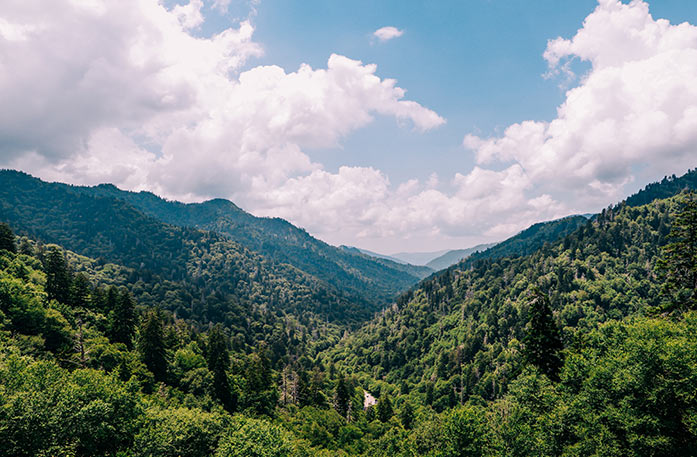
point(123, 92)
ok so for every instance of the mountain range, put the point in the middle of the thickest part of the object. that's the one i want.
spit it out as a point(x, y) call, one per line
point(133, 325)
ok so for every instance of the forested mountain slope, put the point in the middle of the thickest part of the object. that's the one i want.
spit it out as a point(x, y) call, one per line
point(529, 240)
point(371, 279)
point(459, 334)
point(158, 237)
point(199, 275)
point(459, 366)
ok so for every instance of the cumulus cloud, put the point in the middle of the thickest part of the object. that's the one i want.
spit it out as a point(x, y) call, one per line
point(88, 79)
point(121, 91)
point(632, 117)
point(387, 33)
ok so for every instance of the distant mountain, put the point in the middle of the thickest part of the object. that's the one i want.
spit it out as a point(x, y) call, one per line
point(454, 256)
point(236, 260)
point(356, 250)
point(418, 258)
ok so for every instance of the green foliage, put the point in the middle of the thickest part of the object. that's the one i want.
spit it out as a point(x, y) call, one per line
point(151, 345)
point(58, 280)
point(383, 409)
point(7, 238)
point(45, 410)
point(678, 267)
point(122, 318)
point(449, 360)
point(218, 364)
point(254, 438)
point(179, 432)
point(542, 343)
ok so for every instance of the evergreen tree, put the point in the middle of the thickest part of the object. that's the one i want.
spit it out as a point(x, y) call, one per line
point(406, 415)
point(58, 278)
point(384, 408)
point(80, 290)
point(122, 319)
point(678, 268)
point(542, 341)
point(342, 397)
point(151, 345)
point(261, 394)
point(7, 238)
point(218, 362)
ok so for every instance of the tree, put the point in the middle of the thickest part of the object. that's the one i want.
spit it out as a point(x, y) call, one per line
point(58, 278)
point(151, 345)
point(384, 408)
point(218, 363)
point(678, 268)
point(7, 238)
point(406, 415)
point(342, 397)
point(542, 341)
point(80, 290)
point(122, 319)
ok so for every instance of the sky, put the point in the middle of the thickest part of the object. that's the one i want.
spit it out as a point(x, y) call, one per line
point(390, 126)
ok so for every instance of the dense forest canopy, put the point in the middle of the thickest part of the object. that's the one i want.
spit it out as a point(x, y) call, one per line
point(122, 334)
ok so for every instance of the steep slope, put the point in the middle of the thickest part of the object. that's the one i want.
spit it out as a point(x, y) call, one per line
point(197, 274)
point(667, 187)
point(456, 255)
point(458, 335)
point(371, 280)
point(529, 240)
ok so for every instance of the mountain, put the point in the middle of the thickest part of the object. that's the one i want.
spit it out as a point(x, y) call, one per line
point(418, 258)
point(461, 329)
point(374, 281)
point(109, 220)
point(356, 250)
point(529, 240)
point(457, 366)
point(454, 256)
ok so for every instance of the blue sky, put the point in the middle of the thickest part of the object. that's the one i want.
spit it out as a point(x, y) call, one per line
point(502, 113)
point(478, 63)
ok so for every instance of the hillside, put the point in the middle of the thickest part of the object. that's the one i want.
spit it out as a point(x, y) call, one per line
point(144, 231)
point(90, 367)
point(201, 276)
point(375, 281)
point(454, 256)
point(461, 330)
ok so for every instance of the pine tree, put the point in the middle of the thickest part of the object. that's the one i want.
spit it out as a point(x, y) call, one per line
point(80, 290)
point(342, 397)
point(218, 362)
point(542, 341)
point(384, 408)
point(406, 416)
point(122, 319)
point(151, 345)
point(7, 238)
point(678, 267)
point(58, 278)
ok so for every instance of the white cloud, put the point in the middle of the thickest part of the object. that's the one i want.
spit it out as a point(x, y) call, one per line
point(632, 117)
point(189, 15)
point(187, 121)
point(221, 5)
point(145, 104)
point(388, 33)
